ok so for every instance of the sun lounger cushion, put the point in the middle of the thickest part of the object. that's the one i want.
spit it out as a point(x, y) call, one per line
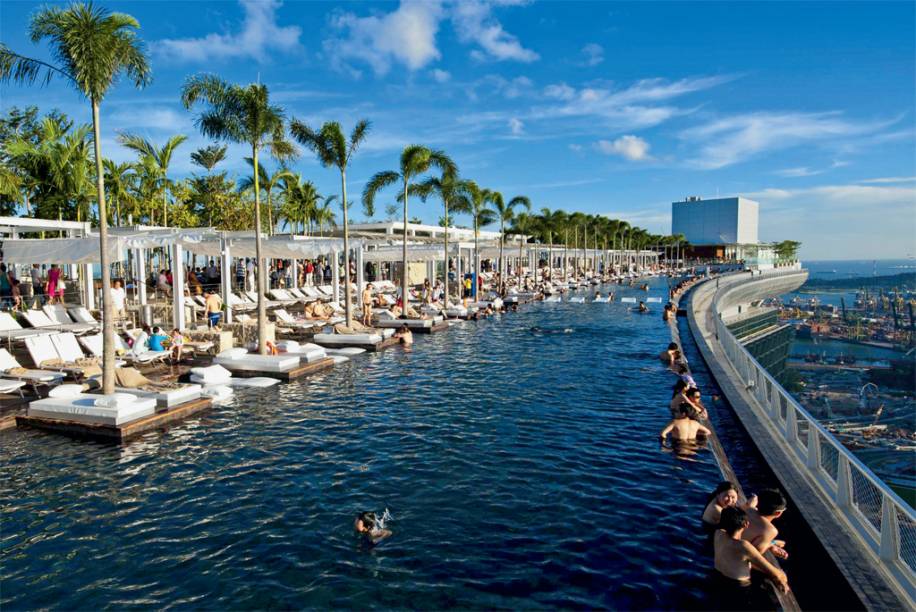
point(233, 353)
point(165, 397)
point(83, 409)
point(347, 339)
point(259, 363)
point(257, 381)
point(347, 351)
point(66, 391)
point(214, 374)
point(115, 400)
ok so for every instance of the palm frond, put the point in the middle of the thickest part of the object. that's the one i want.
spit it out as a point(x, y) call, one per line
point(379, 181)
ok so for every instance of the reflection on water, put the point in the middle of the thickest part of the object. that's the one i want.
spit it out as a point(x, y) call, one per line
point(523, 470)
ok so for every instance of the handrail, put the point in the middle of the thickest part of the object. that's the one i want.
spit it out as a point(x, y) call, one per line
point(882, 521)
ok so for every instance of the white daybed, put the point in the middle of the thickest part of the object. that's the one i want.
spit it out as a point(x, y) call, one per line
point(114, 409)
point(239, 359)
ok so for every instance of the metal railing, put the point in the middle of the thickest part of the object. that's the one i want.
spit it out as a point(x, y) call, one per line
point(884, 523)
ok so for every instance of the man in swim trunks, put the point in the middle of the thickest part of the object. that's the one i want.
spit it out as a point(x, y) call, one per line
point(214, 309)
point(367, 305)
point(735, 556)
point(760, 531)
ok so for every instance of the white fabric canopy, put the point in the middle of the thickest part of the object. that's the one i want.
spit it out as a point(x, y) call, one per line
point(60, 250)
point(270, 248)
point(414, 253)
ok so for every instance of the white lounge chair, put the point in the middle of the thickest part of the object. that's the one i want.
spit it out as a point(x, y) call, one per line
point(39, 319)
point(281, 296)
point(45, 357)
point(81, 314)
point(115, 409)
point(10, 329)
point(284, 319)
point(94, 344)
point(299, 295)
point(9, 386)
point(237, 303)
point(269, 303)
point(136, 353)
point(11, 368)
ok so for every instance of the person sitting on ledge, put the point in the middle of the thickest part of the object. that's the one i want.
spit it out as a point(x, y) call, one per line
point(157, 340)
point(735, 556)
point(725, 495)
point(668, 355)
point(761, 532)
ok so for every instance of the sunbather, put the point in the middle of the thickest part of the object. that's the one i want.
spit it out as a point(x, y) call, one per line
point(177, 344)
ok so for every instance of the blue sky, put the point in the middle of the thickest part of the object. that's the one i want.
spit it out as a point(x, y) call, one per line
point(607, 108)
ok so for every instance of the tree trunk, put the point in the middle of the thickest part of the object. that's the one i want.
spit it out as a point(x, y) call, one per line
point(346, 236)
point(445, 275)
point(405, 296)
point(108, 348)
point(262, 272)
point(165, 205)
point(502, 266)
point(270, 215)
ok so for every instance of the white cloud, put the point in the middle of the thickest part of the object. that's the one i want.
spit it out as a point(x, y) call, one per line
point(560, 91)
point(593, 54)
point(259, 36)
point(406, 35)
point(475, 23)
point(798, 172)
point(440, 76)
point(516, 126)
point(734, 139)
point(890, 179)
point(575, 148)
point(871, 221)
point(630, 147)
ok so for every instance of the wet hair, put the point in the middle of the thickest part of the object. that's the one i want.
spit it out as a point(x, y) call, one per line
point(679, 386)
point(672, 346)
point(367, 519)
point(722, 487)
point(732, 520)
point(681, 368)
point(770, 501)
point(684, 409)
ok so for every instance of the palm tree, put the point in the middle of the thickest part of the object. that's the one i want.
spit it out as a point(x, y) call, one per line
point(333, 149)
point(415, 161)
point(449, 188)
point(242, 114)
point(267, 183)
point(120, 179)
point(156, 159)
point(475, 204)
point(522, 225)
point(324, 214)
point(505, 213)
point(93, 47)
point(209, 156)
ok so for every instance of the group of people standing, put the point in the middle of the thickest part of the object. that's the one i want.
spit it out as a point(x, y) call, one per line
point(46, 287)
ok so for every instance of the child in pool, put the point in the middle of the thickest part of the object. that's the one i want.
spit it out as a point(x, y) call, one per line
point(367, 528)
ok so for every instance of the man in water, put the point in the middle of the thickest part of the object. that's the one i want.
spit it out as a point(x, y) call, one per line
point(668, 355)
point(735, 556)
point(367, 527)
point(643, 307)
point(405, 335)
point(761, 532)
point(682, 428)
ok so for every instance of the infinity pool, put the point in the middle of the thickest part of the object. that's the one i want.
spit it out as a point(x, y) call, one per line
point(519, 457)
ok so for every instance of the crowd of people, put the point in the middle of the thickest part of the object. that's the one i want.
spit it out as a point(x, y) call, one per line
point(741, 533)
point(45, 287)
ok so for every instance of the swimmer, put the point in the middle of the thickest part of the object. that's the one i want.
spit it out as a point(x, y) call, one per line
point(643, 307)
point(725, 495)
point(367, 527)
point(735, 556)
point(668, 355)
point(405, 335)
point(682, 427)
point(760, 531)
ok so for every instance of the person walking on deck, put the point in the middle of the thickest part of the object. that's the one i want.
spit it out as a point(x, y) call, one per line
point(55, 284)
point(214, 309)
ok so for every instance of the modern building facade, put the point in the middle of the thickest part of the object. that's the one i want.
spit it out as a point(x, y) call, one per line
point(722, 221)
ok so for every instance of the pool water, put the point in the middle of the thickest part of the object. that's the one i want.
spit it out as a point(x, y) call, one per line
point(521, 467)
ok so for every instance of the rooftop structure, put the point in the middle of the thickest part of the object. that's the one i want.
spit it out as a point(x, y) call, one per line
point(714, 222)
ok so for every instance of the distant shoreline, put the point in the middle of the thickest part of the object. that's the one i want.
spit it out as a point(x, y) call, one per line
point(889, 281)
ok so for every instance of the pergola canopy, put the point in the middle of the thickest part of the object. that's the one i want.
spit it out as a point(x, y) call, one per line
point(60, 250)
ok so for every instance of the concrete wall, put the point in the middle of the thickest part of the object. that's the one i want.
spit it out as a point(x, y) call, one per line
point(719, 221)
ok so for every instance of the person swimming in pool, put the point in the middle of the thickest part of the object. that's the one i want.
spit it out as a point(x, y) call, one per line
point(368, 527)
point(643, 307)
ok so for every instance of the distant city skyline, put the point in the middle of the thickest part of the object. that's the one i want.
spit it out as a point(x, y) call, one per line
point(608, 108)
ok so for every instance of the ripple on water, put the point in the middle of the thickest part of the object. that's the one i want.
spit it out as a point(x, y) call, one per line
point(522, 469)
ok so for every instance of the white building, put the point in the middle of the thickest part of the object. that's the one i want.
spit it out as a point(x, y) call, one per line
point(719, 221)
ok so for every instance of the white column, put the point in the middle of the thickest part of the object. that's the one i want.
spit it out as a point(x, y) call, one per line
point(360, 275)
point(178, 318)
point(88, 287)
point(226, 277)
point(294, 279)
point(459, 278)
point(140, 260)
point(335, 275)
point(431, 271)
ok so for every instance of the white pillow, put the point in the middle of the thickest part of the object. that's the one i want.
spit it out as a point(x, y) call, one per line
point(288, 346)
point(309, 346)
point(220, 392)
point(115, 400)
point(233, 353)
point(212, 374)
point(62, 391)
